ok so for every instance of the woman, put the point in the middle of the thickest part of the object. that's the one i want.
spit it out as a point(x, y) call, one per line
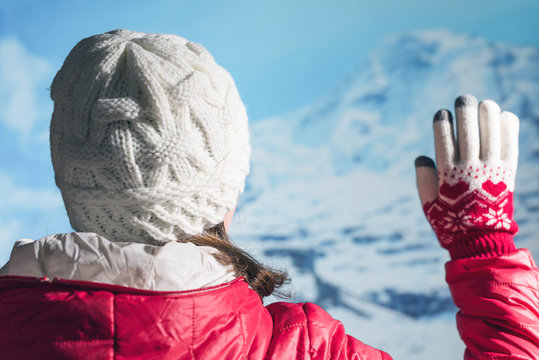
point(150, 148)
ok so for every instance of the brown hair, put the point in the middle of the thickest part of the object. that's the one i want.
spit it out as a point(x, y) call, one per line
point(262, 279)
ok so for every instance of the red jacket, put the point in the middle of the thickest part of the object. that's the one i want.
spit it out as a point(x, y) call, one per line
point(61, 319)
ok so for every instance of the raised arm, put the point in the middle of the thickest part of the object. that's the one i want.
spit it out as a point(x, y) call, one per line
point(468, 200)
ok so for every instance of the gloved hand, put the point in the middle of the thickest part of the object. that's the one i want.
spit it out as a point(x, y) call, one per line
point(468, 200)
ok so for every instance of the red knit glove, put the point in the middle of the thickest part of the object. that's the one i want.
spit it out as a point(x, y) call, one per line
point(469, 200)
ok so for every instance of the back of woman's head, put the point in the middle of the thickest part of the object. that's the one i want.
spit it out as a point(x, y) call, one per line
point(149, 137)
point(150, 143)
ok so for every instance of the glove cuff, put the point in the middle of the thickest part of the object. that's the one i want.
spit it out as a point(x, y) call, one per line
point(483, 245)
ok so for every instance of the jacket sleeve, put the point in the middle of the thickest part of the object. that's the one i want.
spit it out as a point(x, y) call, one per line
point(309, 330)
point(498, 298)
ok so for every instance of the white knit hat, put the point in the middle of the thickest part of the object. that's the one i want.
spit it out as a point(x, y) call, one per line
point(149, 137)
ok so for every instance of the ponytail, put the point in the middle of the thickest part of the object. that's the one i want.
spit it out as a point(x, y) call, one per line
point(262, 279)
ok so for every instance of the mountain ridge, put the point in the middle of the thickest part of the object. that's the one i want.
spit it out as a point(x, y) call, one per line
point(332, 192)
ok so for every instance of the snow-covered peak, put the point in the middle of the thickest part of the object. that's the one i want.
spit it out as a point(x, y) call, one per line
point(332, 190)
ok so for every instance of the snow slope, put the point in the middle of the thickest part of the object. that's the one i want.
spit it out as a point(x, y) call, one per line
point(332, 191)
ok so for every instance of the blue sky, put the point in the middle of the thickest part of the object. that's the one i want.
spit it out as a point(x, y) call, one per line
point(282, 54)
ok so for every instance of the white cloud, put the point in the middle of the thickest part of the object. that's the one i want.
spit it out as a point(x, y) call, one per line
point(17, 197)
point(28, 212)
point(24, 78)
point(25, 110)
point(10, 232)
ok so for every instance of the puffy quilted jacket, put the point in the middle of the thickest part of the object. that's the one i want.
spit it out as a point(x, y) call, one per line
point(63, 319)
point(80, 320)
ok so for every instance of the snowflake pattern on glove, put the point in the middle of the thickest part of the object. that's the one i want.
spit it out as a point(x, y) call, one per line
point(462, 209)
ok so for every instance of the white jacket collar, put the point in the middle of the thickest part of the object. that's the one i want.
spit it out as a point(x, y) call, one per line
point(90, 257)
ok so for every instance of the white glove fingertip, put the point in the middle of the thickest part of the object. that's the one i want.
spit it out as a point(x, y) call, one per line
point(509, 127)
point(426, 179)
point(489, 123)
point(444, 139)
point(467, 128)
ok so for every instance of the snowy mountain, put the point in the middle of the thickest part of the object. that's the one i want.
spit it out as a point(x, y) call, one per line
point(332, 196)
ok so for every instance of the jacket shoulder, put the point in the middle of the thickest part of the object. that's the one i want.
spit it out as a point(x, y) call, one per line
point(308, 329)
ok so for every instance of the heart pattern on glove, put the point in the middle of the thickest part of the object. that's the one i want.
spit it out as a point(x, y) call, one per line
point(460, 211)
point(494, 189)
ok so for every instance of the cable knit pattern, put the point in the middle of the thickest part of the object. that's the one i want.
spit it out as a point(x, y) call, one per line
point(149, 137)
